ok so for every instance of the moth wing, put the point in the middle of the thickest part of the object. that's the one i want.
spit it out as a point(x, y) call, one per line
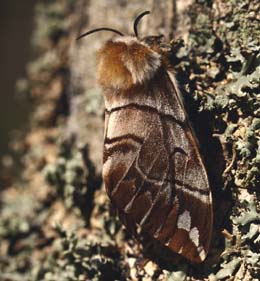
point(153, 170)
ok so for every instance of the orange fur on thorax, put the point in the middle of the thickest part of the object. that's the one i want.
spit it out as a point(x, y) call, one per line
point(110, 67)
point(124, 63)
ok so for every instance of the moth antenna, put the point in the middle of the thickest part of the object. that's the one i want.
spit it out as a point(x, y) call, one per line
point(138, 18)
point(100, 29)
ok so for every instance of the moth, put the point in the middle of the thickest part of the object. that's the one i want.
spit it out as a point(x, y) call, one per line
point(153, 171)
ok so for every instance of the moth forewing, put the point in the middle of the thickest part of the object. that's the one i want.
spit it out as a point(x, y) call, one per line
point(153, 171)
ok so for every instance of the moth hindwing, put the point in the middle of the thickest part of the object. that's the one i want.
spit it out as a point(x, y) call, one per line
point(153, 171)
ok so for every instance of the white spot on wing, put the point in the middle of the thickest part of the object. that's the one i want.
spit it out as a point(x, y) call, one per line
point(202, 253)
point(194, 236)
point(180, 251)
point(184, 221)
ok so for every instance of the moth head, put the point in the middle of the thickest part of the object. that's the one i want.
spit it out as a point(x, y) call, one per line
point(126, 61)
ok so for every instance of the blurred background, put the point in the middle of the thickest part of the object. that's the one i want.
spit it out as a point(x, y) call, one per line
point(16, 26)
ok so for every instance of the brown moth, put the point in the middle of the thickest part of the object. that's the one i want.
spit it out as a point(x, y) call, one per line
point(153, 170)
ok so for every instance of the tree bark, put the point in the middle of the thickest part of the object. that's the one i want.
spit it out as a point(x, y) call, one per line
point(61, 153)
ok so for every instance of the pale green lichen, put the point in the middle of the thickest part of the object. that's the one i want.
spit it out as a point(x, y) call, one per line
point(245, 252)
point(180, 274)
point(94, 101)
point(79, 259)
point(74, 180)
point(50, 18)
point(228, 269)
